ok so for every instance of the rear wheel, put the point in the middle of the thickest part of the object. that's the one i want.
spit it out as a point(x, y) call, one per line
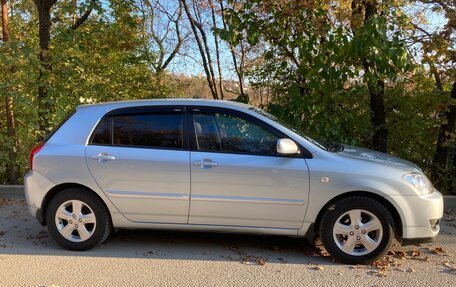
point(357, 230)
point(78, 220)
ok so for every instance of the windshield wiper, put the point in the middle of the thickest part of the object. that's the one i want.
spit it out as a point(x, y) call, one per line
point(334, 147)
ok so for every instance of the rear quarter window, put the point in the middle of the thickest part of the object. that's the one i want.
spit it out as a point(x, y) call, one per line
point(102, 133)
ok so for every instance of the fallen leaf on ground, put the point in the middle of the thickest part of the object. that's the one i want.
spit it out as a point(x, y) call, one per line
point(449, 215)
point(261, 261)
point(6, 201)
point(397, 254)
point(414, 253)
point(438, 250)
point(382, 265)
point(149, 253)
point(314, 251)
point(449, 265)
point(379, 273)
point(421, 258)
point(250, 259)
point(317, 268)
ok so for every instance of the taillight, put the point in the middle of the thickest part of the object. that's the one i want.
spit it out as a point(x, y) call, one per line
point(36, 149)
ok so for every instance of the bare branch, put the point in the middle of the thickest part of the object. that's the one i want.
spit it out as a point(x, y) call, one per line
point(204, 51)
point(84, 16)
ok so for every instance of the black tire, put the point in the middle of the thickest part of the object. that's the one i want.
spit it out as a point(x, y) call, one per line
point(101, 229)
point(341, 207)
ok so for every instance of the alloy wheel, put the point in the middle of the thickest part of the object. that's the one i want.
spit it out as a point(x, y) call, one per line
point(357, 232)
point(75, 220)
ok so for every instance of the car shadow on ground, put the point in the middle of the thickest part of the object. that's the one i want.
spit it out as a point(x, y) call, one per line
point(20, 234)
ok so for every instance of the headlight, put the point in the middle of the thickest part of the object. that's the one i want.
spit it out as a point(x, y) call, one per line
point(421, 183)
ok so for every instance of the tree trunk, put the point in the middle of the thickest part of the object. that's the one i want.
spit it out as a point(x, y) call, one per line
point(44, 106)
point(217, 51)
point(11, 168)
point(239, 71)
point(444, 152)
point(376, 93)
point(378, 117)
point(5, 21)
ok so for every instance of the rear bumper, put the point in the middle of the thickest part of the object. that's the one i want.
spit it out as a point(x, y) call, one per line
point(36, 187)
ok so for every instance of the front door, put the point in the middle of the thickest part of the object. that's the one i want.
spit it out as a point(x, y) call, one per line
point(140, 160)
point(237, 177)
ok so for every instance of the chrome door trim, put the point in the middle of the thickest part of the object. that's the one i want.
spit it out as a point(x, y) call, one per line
point(246, 199)
point(141, 194)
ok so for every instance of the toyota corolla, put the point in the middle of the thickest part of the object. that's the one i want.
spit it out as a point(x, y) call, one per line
point(220, 166)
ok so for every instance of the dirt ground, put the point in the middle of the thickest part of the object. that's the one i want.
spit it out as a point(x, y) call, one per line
point(29, 257)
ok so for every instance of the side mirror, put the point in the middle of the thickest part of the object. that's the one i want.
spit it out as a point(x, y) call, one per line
point(287, 147)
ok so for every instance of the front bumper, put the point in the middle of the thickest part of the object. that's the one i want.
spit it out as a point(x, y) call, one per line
point(420, 216)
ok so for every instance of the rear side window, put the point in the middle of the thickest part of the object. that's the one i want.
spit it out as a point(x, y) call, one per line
point(150, 130)
point(159, 130)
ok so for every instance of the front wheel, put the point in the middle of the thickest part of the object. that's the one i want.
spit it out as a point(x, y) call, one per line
point(357, 230)
point(78, 220)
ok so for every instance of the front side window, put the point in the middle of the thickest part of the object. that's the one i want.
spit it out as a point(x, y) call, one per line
point(143, 130)
point(232, 134)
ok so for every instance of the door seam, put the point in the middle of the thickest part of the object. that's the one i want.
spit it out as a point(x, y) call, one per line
point(190, 185)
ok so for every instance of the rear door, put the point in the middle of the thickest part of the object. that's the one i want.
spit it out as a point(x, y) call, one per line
point(139, 158)
point(237, 177)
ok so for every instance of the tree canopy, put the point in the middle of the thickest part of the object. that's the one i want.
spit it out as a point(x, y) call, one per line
point(374, 73)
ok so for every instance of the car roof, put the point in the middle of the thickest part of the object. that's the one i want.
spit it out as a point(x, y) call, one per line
point(167, 102)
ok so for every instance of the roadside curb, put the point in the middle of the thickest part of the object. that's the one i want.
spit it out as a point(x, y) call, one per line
point(449, 201)
point(17, 192)
point(12, 191)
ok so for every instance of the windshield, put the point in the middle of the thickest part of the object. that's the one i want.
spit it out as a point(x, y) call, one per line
point(331, 147)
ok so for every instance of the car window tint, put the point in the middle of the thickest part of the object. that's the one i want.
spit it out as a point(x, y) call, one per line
point(149, 130)
point(207, 136)
point(232, 134)
point(102, 134)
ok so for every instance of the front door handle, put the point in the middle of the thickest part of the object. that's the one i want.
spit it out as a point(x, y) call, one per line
point(103, 157)
point(205, 163)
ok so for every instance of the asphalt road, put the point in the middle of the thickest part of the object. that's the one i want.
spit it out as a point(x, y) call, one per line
point(29, 257)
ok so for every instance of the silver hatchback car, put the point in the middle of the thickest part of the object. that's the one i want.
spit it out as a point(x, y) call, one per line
point(221, 166)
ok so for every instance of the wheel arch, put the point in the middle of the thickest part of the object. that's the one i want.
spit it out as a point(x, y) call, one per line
point(394, 212)
point(61, 187)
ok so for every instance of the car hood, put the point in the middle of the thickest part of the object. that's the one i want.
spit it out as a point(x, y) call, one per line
point(378, 157)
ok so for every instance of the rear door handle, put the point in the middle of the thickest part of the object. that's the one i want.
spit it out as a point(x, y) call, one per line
point(205, 163)
point(103, 157)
